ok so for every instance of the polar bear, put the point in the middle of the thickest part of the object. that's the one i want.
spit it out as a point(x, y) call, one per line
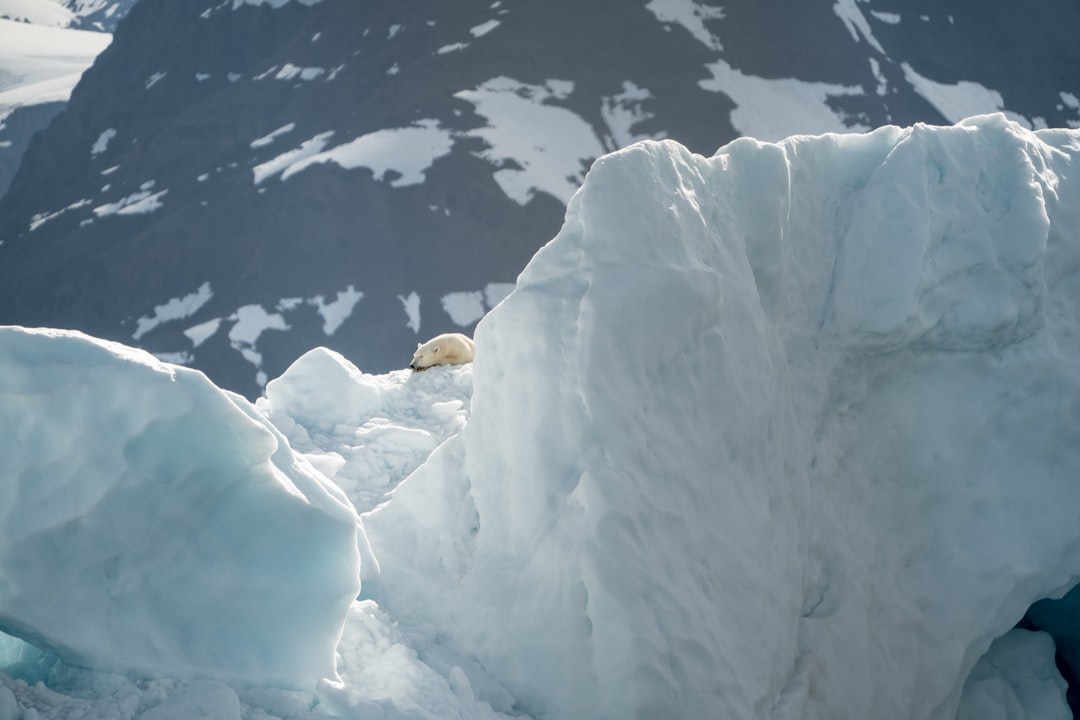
point(445, 349)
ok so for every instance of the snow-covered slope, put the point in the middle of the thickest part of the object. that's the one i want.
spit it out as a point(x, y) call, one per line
point(96, 15)
point(407, 159)
point(49, 13)
point(40, 64)
point(787, 432)
point(42, 58)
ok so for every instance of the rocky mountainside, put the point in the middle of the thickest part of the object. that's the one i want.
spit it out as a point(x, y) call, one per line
point(102, 15)
point(45, 45)
point(235, 182)
point(97, 15)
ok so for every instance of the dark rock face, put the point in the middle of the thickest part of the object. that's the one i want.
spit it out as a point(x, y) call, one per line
point(16, 129)
point(232, 184)
point(18, 125)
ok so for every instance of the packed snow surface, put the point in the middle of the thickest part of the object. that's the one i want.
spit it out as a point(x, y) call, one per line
point(787, 432)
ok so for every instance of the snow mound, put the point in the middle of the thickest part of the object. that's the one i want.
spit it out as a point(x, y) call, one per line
point(788, 432)
point(160, 526)
point(322, 390)
point(366, 432)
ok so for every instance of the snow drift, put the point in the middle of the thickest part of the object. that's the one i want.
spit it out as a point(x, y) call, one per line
point(155, 524)
point(789, 432)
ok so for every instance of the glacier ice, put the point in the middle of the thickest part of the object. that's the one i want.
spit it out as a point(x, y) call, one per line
point(787, 432)
point(1016, 680)
point(155, 524)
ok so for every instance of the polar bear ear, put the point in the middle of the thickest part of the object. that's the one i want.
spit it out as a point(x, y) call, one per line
point(419, 345)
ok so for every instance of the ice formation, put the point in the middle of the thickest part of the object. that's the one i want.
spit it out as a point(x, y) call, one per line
point(787, 432)
point(157, 525)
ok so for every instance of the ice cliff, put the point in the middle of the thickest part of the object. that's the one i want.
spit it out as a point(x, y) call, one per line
point(788, 432)
point(155, 524)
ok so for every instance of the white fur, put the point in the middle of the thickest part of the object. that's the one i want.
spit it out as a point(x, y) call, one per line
point(445, 349)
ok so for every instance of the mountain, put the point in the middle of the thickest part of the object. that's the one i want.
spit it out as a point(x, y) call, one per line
point(235, 182)
point(102, 15)
point(97, 15)
point(44, 49)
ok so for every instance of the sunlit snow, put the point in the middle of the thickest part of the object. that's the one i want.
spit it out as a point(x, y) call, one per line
point(292, 72)
point(271, 137)
point(848, 11)
point(400, 156)
point(464, 308)
point(283, 162)
point(452, 47)
point(1070, 100)
point(41, 218)
point(483, 28)
point(174, 309)
point(198, 334)
point(42, 64)
point(137, 203)
point(691, 15)
point(956, 101)
point(551, 144)
point(37, 12)
point(338, 310)
point(886, 17)
point(494, 293)
point(102, 143)
point(272, 3)
point(775, 109)
point(412, 310)
point(248, 323)
point(406, 152)
point(623, 112)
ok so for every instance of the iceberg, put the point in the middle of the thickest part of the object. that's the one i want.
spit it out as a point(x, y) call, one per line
point(788, 432)
point(784, 433)
point(157, 525)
